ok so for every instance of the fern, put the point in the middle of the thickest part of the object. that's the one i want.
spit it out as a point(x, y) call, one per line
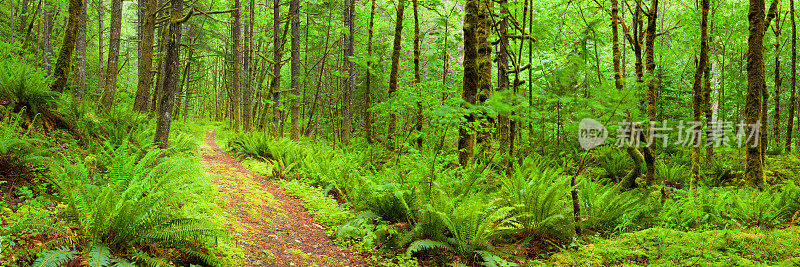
point(55, 258)
point(427, 244)
point(99, 256)
point(536, 197)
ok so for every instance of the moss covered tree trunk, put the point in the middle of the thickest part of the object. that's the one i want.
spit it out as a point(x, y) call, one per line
point(697, 90)
point(368, 80)
point(277, 54)
point(776, 133)
point(47, 36)
point(503, 123)
point(793, 97)
point(349, 83)
point(650, 67)
point(171, 75)
point(754, 173)
point(484, 61)
point(80, 45)
point(236, 33)
point(112, 67)
point(417, 78)
point(63, 63)
point(141, 103)
point(466, 137)
point(393, 75)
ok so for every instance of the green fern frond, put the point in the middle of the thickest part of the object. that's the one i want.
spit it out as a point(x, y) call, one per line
point(120, 262)
point(99, 256)
point(55, 258)
point(427, 244)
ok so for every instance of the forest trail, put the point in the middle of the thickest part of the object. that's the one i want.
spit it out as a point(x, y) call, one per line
point(272, 228)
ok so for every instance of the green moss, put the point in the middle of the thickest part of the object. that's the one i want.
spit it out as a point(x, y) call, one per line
point(665, 247)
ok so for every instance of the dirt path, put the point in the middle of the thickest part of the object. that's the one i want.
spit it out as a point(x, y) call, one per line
point(272, 228)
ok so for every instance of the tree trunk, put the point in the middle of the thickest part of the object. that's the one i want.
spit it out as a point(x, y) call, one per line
point(275, 86)
point(63, 63)
point(294, 10)
point(697, 89)
point(793, 98)
point(113, 54)
point(100, 81)
point(171, 72)
point(368, 82)
point(80, 44)
point(504, 125)
point(347, 94)
point(417, 78)
point(466, 137)
point(247, 96)
point(756, 84)
point(47, 39)
point(237, 59)
point(650, 67)
point(148, 22)
point(398, 35)
point(484, 61)
point(777, 116)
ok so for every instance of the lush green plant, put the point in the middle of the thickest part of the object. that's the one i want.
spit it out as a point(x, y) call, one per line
point(537, 200)
point(603, 206)
point(673, 175)
point(614, 161)
point(135, 205)
point(25, 87)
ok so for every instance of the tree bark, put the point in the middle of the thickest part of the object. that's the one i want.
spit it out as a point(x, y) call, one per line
point(47, 39)
point(754, 174)
point(650, 67)
point(466, 136)
point(80, 44)
point(793, 97)
point(294, 10)
point(171, 74)
point(504, 125)
point(110, 87)
point(777, 116)
point(237, 59)
point(275, 86)
point(148, 22)
point(349, 83)
point(368, 82)
point(63, 63)
point(100, 11)
point(697, 89)
point(417, 78)
point(398, 35)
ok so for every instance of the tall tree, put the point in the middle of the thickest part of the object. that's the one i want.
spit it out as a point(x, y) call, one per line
point(466, 137)
point(776, 29)
point(417, 78)
point(793, 98)
point(398, 34)
point(47, 36)
point(80, 44)
point(171, 73)
point(754, 173)
point(100, 15)
point(148, 26)
point(236, 32)
point(275, 86)
point(650, 67)
point(249, 67)
point(697, 89)
point(294, 12)
point(63, 63)
point(368, 81)
point(504, 123)
point(107, 98)
point(347, 94)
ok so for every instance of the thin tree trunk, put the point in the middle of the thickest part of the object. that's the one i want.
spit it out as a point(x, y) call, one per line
point(237, 59)
point(650, 67)
point(368, 82)
point(294, 10)
point(347, 94)
point(63, 63)
point(777, 116)
point(276, 71)
point(417, 78)
point(113, 54)
point(171, 75)
point(697, 89)
point(398, 30)
point(47, 39)
point(793, 98)
point(100, 39)
point(504, 124)
point(80, 44)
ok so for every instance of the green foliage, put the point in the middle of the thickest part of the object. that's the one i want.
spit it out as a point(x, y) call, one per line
point(55, 258)
point(135, 202)
point(614, 161)
point(603, 206)
point(673, 175)
point(537, 200)
point(25, 87)
point(99, 256)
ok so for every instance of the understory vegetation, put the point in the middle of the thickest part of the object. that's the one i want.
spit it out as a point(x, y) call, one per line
point(421, 205)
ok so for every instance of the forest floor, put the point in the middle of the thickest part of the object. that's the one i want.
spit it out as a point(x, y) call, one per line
point(271, 228)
